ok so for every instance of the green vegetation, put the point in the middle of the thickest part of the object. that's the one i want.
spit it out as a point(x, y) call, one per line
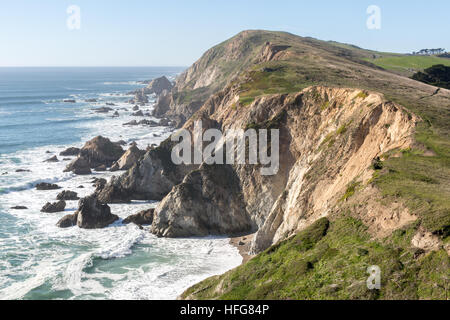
point(329, 261)
point(351, 189)
point(423, 181)
point(325, 105)
point(343, 129)
point(362, 95)
point(266, 80)
point(406, 63)
point(437, 75)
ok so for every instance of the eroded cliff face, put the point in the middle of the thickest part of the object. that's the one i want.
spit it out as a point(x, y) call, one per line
point(328, 140)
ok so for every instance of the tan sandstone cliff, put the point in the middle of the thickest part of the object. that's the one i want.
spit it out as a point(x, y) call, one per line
point(328, 140)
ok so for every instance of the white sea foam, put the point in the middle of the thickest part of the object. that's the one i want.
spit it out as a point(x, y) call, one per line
point(117, 262)
point(133, 83)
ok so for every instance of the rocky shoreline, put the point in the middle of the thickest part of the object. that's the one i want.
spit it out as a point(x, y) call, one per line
point(98, 155)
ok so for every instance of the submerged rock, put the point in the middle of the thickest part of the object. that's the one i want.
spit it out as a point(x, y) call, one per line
point(52, 159)
point(148, 123)
point(54, 207)
point(47, 186)
point(103, 110)
point(141, 218)
point(131, 123)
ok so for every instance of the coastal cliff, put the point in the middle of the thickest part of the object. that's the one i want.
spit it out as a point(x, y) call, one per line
point(363, 170)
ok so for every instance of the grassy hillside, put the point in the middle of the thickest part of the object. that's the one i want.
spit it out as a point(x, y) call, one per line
point(330, 261)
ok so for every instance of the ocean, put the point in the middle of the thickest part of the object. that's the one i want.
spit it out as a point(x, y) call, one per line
point(41, 261)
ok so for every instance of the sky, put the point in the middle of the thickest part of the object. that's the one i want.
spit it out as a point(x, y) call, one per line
point(177, 32)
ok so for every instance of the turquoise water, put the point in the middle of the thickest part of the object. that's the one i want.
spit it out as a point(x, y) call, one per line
point(39, 260)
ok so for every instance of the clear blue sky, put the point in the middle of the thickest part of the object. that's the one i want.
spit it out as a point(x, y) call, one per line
point(176, 32)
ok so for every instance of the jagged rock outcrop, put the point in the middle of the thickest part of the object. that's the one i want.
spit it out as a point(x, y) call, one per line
point(208, 201)
point(100, 151)
point(95, 153)
point(91, 214)
point(129, 158)
point(67, 195)
point(151, 178)
point(54, 207)
point(157, 86)
point(79, 166)
point(141, 218)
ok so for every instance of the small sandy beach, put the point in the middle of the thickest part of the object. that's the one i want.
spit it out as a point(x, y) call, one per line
point(243, 243)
